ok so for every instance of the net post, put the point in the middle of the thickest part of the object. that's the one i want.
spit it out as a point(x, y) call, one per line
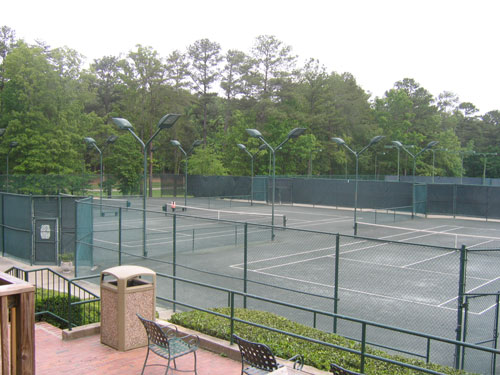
point(284, 221)
point(460, 302)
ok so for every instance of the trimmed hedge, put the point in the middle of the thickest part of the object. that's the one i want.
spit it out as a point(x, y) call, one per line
point(284, 346)
point(57, 303)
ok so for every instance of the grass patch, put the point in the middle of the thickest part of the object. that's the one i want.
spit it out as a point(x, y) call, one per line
point(284, 346)
point(57, 304)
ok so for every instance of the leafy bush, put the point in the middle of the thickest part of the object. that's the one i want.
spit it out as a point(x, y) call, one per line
point(57, 304)
point(284, 346)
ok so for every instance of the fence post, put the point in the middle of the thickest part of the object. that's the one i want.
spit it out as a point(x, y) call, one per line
point(174, 249)
point(460, 301)
point(454, 200)
point(32, 229)
point(232, 318)
point(363, 347)
point(119, 236)
point(336, 286)
point(3, 225)
point(245, 265)
point(69, 305)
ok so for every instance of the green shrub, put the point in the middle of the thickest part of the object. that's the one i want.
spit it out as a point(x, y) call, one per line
point(284, 346)
point(57, 303)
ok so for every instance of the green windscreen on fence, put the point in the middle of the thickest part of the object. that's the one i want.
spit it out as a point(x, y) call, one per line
point(84, 232)
point(17, 226)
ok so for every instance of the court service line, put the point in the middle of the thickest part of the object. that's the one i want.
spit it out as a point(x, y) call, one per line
point(358, 291)
point(429, 259)
point(314, 223)
point(283, 256)
point(473, 289)
point(412, 269)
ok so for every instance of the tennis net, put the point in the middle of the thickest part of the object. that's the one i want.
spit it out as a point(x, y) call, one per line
point(451, 236)
point(110, 206)
point(240, 216)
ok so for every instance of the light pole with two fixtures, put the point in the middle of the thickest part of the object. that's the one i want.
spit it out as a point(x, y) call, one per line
point(92, 143)
point(178, 144)
point(294, 133)
point(430, 145)
point(341, 142)
point(244, 148)
point(12, 145)
point(165, 122)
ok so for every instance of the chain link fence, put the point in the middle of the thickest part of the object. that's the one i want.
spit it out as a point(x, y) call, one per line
point(415, 286)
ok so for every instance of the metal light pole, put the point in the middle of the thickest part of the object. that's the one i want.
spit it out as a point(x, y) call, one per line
point(294, 133)
point(310, 160)
point(165, 122)
point(341, 142)
point(12, 145)
point(393, 146)
point(92, 143)
point(244, 148)
point(398, 144)
point(485, 155)
point(178, 144)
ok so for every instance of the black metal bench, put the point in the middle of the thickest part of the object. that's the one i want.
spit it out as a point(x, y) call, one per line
point(337, 370)
point(258, 359)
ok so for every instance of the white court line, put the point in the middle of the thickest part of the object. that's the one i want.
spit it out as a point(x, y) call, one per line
point(479, 244)
point(357, 291)
point(366, 293)
point(429, 259)
point(317, 222)
point(283, 256)
point(473, 289)
point(212, 234)
point(290, 263)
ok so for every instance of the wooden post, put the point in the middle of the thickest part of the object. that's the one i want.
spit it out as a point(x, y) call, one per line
point(20, 296)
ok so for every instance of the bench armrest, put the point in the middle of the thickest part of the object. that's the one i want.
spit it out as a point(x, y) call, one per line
point(298, 361)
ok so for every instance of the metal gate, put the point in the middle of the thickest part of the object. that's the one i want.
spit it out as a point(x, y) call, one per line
point(481, 328)
point(46, 240)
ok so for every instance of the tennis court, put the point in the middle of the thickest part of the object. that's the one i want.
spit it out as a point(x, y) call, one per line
point(405, 275)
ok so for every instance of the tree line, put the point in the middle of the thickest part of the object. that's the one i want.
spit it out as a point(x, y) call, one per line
point(49, 102)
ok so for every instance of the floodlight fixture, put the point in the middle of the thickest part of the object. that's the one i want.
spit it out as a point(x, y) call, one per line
point(122, 123)
point(168, 120)
point(295, 133)
point(111, 139)
point(254, 133)
point(175, 142)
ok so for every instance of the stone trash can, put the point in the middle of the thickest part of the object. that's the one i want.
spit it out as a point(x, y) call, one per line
point(124, 293)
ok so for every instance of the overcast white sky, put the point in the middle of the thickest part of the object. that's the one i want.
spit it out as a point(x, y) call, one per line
point(450, 45)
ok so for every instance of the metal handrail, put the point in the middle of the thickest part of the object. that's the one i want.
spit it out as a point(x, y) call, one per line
point(232, 293)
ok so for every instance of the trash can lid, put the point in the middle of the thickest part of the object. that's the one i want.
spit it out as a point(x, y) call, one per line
point(126, 272)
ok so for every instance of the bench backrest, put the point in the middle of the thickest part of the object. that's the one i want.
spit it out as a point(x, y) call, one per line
point(337, 370)
point(256, 355)
point(155, 334)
